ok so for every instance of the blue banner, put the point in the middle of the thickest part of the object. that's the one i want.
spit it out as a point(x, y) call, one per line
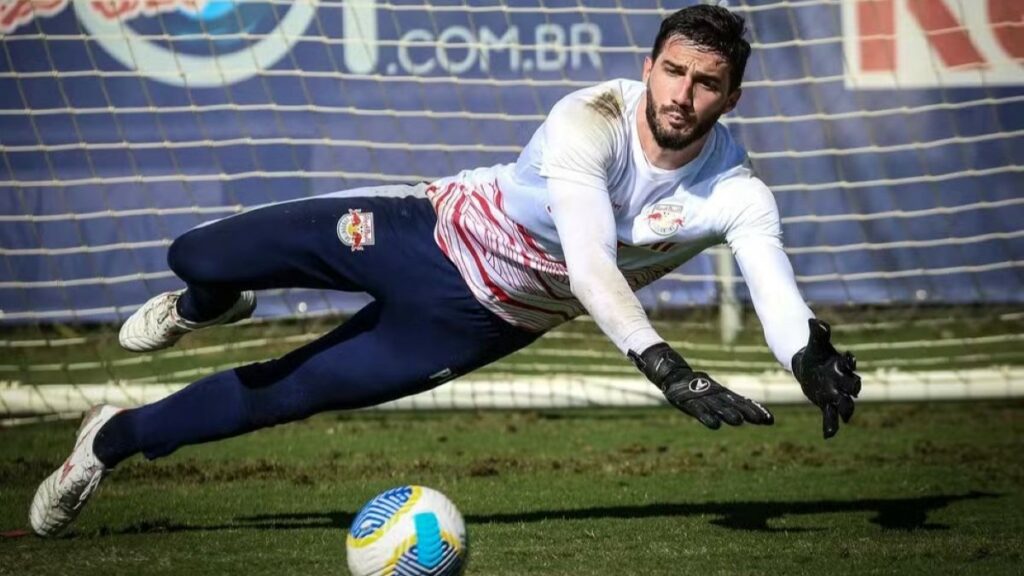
point(897, 167)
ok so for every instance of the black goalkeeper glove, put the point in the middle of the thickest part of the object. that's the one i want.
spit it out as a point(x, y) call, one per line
point(695, 393)
point(828, 378)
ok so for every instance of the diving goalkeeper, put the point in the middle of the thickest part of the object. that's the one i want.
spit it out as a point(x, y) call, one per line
point(623, 182)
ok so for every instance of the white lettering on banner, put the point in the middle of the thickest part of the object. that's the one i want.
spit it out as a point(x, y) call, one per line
point(510, 42)
point(455, 35)
point(457, 49)
point(359, 24)
point(931, 43)
point(550, 41)
point(585, 39)
point(405, 61)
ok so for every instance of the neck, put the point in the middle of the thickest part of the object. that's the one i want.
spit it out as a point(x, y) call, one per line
point(662, 157)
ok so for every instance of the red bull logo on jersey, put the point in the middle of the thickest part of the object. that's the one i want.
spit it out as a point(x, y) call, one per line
point(355, 229)
point(665, 219)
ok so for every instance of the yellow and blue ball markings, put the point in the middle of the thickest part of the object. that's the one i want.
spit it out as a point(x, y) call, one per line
point(407, 561)
point(428, 539)
point(381, 513)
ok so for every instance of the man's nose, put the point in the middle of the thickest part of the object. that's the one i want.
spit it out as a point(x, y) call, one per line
point(683, 95)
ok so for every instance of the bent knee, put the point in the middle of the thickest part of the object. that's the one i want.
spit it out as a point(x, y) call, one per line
point(193, 259)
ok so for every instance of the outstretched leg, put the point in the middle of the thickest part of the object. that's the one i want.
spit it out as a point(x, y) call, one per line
point(385, 352)
point(424, 328)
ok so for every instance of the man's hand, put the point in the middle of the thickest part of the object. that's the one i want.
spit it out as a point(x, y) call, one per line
point(695, 393)
point(828, 379)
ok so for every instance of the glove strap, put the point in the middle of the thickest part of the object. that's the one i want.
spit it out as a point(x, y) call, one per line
point(796, 364)
point(661, 364)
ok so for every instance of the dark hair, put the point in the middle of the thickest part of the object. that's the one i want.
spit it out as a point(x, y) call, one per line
point(713, 28)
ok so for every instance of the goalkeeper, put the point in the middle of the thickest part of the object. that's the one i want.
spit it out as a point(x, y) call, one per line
point(622, 183)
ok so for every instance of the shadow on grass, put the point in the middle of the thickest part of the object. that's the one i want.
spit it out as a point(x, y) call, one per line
point(904, 514)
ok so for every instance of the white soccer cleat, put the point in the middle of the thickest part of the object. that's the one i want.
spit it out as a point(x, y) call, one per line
point(63, 494)
point(157, 325)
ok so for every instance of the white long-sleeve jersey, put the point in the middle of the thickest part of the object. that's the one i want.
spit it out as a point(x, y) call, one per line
point(583, 219)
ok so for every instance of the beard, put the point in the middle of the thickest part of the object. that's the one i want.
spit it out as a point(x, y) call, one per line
point(670, 138)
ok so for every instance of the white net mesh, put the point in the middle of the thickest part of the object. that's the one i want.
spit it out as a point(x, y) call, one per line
point(891, 131)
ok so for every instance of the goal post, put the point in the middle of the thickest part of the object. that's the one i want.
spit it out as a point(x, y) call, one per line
point(890, 131)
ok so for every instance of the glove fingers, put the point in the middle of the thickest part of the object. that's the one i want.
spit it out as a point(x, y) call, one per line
point(710, 420)
point(830, 420)
point(849, 381)
point(848, 385)
point(754, 412)
point(849, 362)
point(748, 410)
point(731, 416)
point(721, 405)
point(701, 411)
point(855, 386)
point(845, 407)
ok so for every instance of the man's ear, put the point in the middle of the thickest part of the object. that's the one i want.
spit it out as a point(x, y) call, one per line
point(648, 65)
point(732, 100)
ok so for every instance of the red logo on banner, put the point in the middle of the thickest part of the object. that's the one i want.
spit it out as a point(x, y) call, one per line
point(910, 43)
point(126, 9)
point(17, 13)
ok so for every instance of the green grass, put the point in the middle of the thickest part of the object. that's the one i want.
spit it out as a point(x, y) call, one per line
point(921, 338)
point(904, 489)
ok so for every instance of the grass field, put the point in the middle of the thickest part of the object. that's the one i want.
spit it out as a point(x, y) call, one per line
point(905, 489)
point(908, 339)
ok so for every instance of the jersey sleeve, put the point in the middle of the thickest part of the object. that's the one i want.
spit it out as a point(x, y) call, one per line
point(754, 234)
point(580, 141)
point(583, 134)
point(751, 214)
point(586, 228)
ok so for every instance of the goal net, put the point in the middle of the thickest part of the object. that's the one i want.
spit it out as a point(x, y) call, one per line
point(891, 132)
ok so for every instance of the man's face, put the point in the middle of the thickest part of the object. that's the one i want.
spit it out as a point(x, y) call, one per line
point(687, 91)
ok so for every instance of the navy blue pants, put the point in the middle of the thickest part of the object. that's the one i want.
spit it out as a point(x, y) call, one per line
point(423, 327)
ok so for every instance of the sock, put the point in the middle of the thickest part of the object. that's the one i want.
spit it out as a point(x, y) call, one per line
point(200, 305)
point(116, 440)
point(211, 408)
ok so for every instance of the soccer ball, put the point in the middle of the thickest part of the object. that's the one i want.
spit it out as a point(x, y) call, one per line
point(409, 530)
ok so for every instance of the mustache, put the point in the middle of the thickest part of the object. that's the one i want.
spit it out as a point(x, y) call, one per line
point(686, 114)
